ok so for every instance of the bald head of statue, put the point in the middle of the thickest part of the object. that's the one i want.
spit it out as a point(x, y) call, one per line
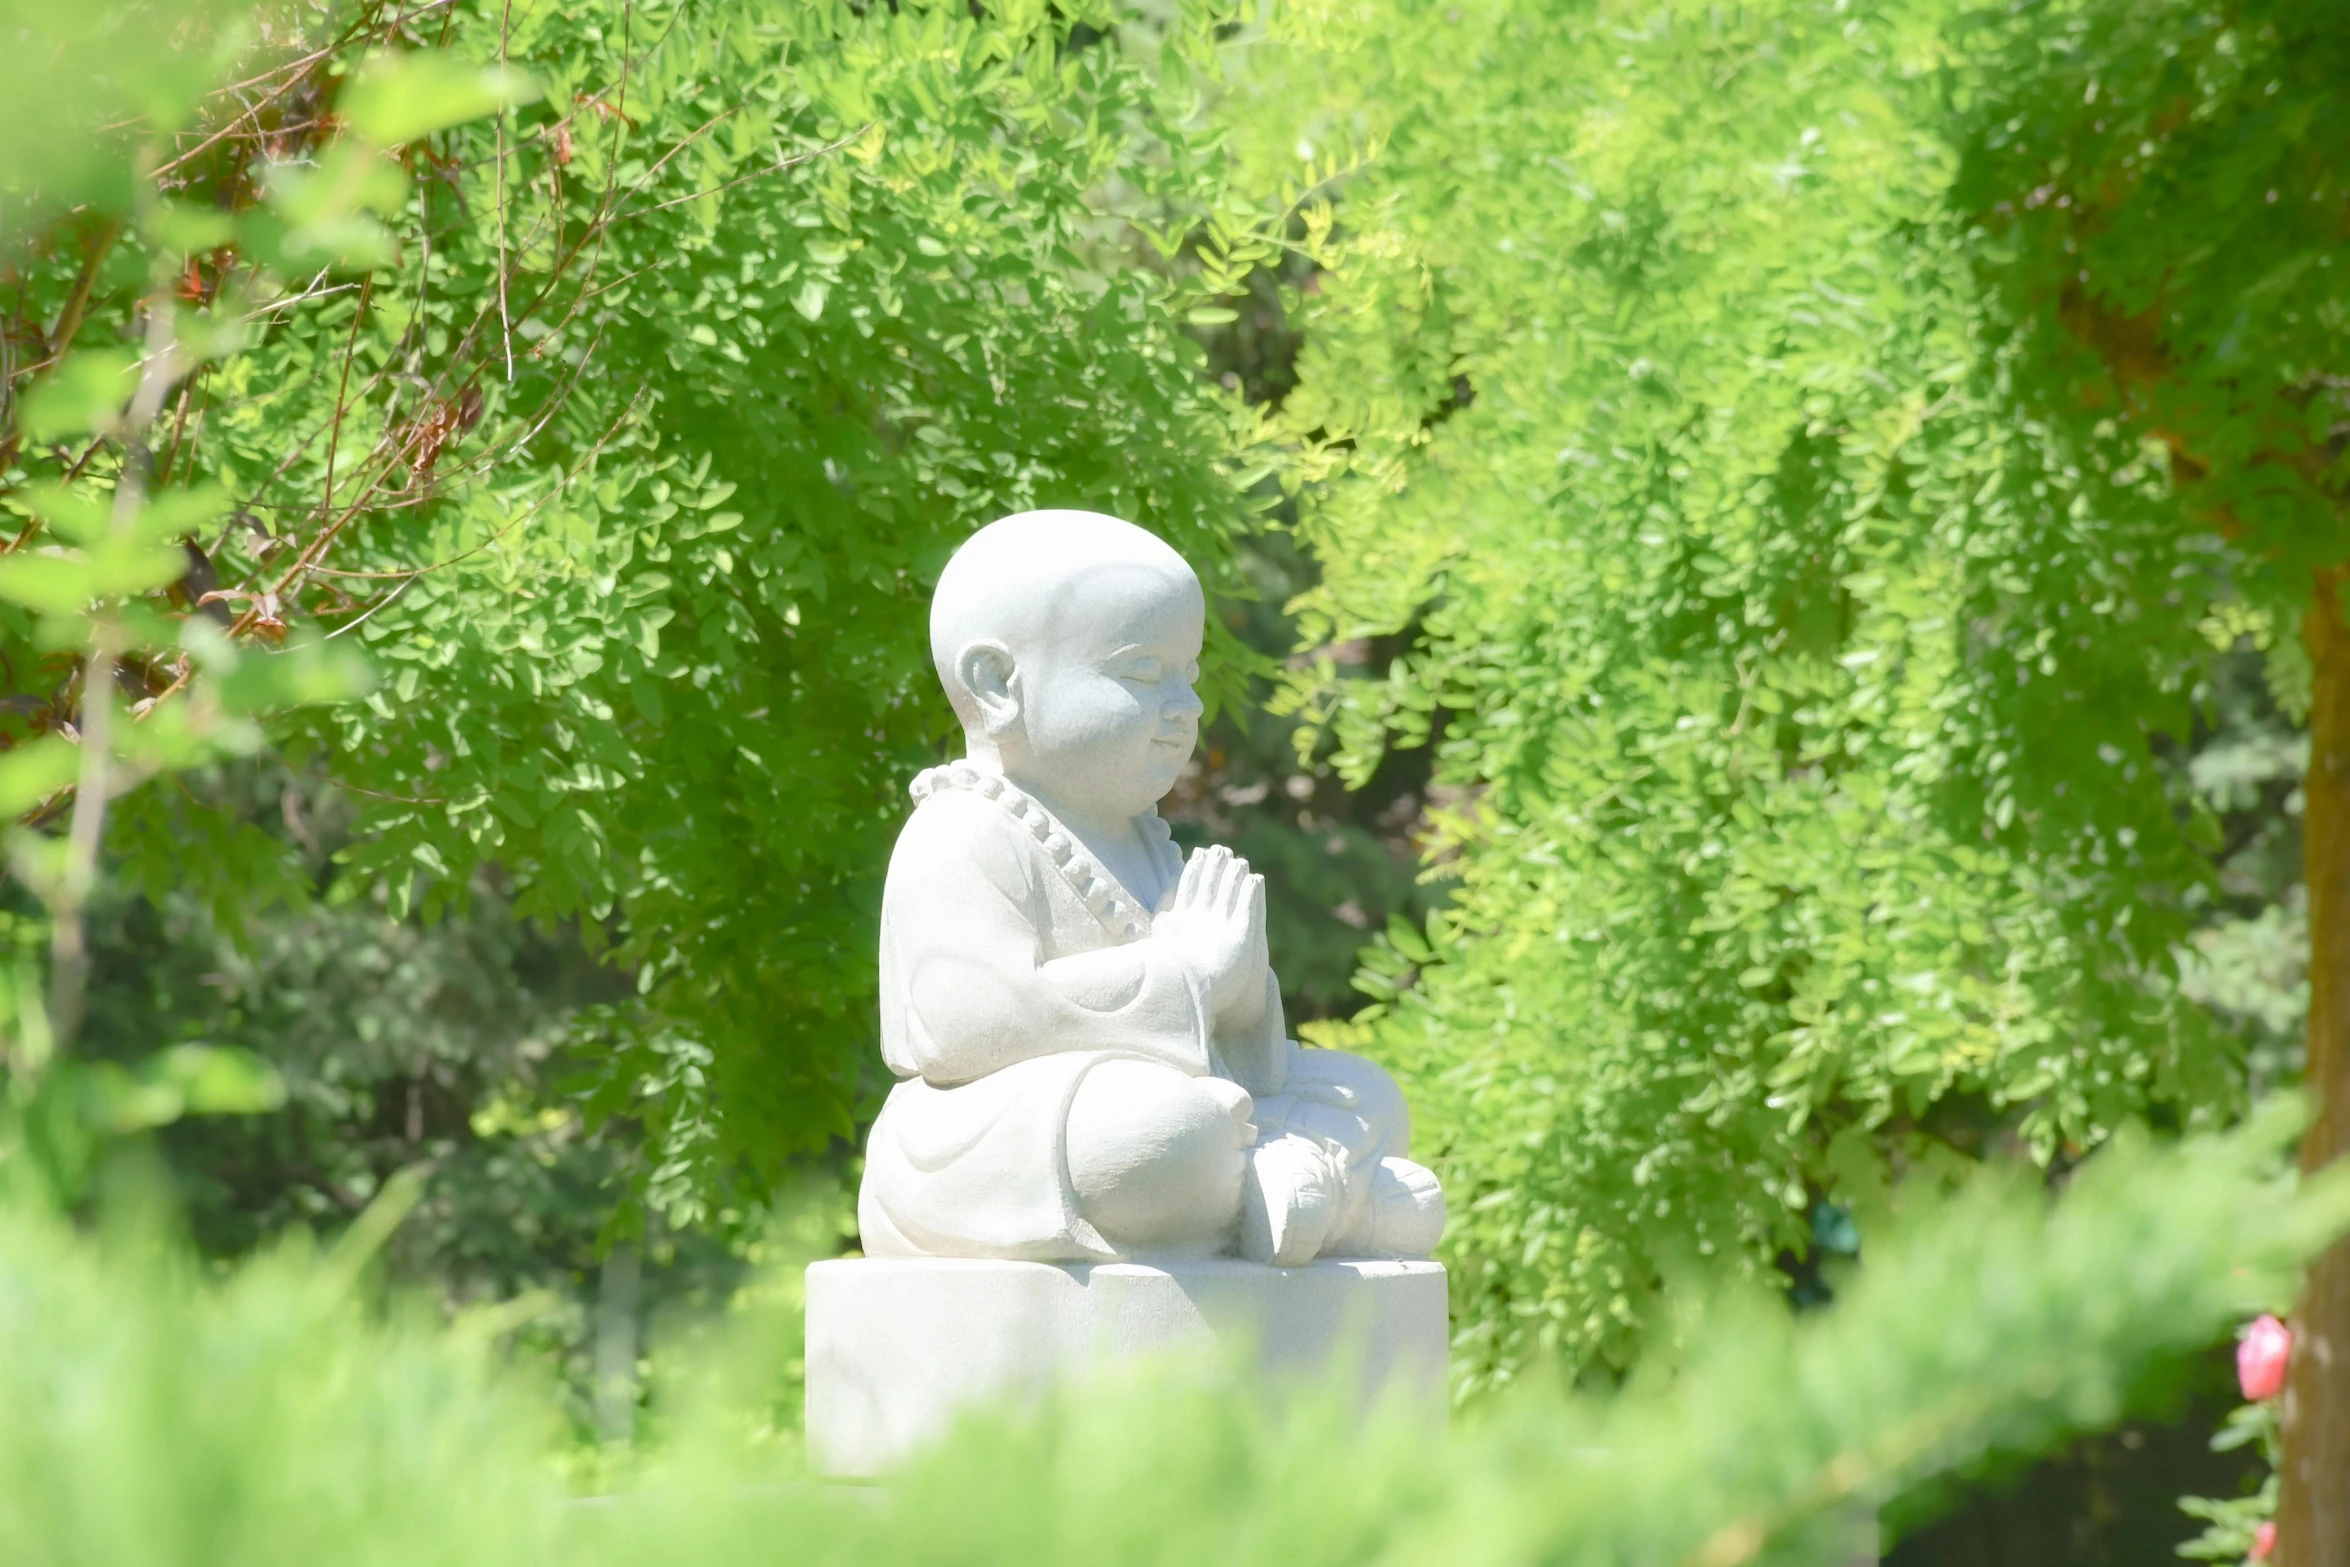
point(1069, 643)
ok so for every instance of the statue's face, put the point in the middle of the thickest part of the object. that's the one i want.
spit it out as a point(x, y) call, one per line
point(1108, 716)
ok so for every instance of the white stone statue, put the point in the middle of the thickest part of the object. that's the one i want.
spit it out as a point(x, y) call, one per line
point(1092, 1059)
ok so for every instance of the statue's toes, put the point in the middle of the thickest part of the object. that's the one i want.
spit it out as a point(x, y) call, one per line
point(1289, 1202)
point(1403, 1218)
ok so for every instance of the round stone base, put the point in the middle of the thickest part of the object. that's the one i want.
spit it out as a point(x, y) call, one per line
point(896, 1347)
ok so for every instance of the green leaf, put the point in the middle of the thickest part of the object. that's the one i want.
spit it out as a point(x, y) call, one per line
point(347, 244)
point(78, 515)
point(217, 1079)
point(36, 769)
point(188, 229)
point(398, 97)
point(307, 671)
point(322, 216)
point(84, 395)
point(173, 514)
point(182, 1080)
point(350, 178)
point(54, 584)
point(119, 568)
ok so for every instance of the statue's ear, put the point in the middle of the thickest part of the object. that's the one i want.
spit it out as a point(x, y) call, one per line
point(993, 680)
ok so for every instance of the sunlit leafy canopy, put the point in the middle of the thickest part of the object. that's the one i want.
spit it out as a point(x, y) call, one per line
point(1802, 655)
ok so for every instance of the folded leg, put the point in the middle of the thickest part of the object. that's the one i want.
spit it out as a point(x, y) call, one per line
point(1156, 1157)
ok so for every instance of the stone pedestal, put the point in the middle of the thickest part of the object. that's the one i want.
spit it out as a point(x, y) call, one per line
point(896, 1348)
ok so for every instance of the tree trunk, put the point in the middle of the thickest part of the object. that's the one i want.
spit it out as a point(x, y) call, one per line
point(2313, 1511)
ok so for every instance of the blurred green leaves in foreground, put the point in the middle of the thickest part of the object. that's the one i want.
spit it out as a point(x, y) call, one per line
point(156, 1415)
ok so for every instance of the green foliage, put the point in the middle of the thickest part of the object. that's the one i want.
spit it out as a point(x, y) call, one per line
point(2161, 196)
point(2249, 961)
point(1806, 658)
point(2162, 187)
point(619, 378)
point(1338, 861)
point(2232, 1526)
point(82, 82)
point(258, 1421)
point(92, 551)
point(156, 1417)
point(389, 1046)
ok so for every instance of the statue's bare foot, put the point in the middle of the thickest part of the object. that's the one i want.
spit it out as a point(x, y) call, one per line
point(1403, 1215)
point(1290, 1201)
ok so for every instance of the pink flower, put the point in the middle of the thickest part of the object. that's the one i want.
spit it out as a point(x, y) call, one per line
point(2264, 1538)
point(2261, 1359)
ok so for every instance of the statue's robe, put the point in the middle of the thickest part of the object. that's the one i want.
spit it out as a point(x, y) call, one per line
point(1013, 963)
